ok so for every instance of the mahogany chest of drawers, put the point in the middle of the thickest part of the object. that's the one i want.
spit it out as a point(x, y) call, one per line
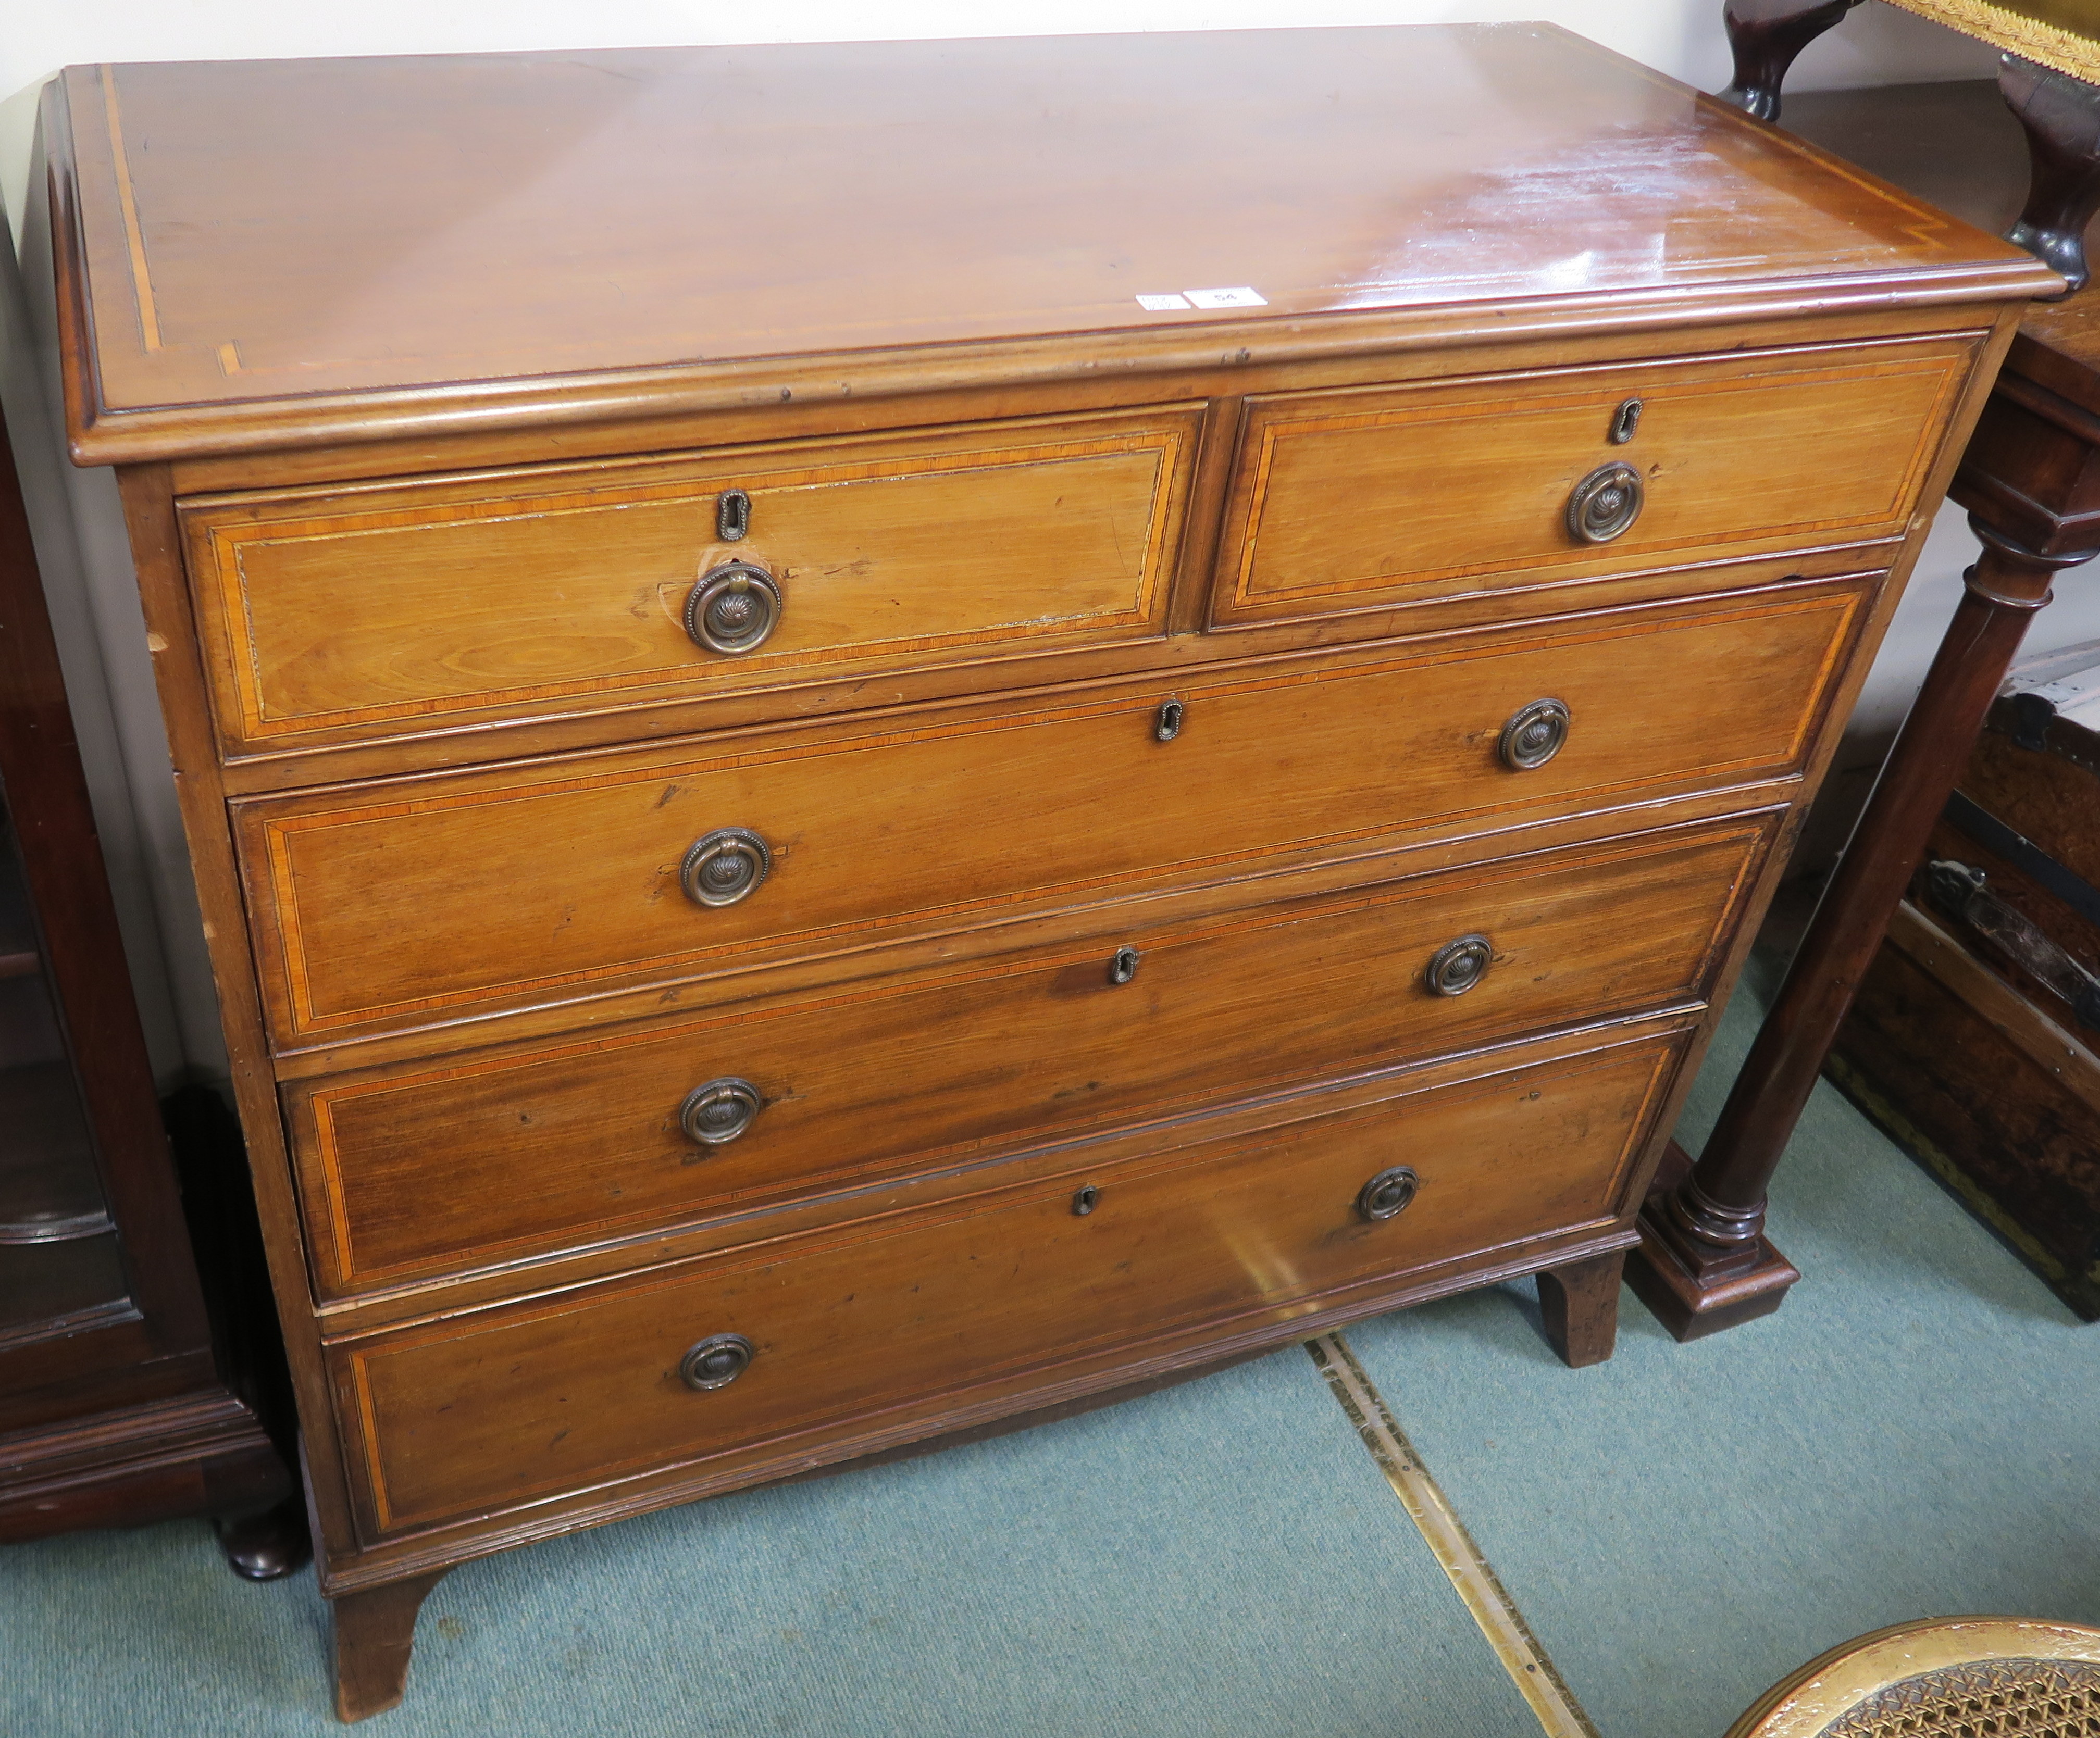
point(880, 739)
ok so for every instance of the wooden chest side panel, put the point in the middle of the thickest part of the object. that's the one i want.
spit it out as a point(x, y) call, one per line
point(2051, 802)
point(552, 880)
point(1370, 496)
point(352, 615)
point(544, 1398)
point(2010, 884)
point(2018, 1141)
point(423, 1170)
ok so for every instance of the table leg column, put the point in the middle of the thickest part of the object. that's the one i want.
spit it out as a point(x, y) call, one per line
point(1704, 1263)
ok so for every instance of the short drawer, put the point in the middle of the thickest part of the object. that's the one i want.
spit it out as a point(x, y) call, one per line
point(351, 614)
point(406, 903)
point(481, 1160)
point(1371, 498)
point(905, 1319)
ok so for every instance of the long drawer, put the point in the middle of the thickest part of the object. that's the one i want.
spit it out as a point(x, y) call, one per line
point(912, 1314)
point(417, 901)
point(416, 1171)
point(1372, 497)
point(359, 614)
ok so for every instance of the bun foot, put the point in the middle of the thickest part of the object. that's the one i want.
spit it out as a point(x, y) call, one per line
point(267, 1546)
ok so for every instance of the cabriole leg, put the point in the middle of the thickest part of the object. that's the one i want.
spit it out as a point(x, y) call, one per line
point(1766, 36)
point(2061, 115)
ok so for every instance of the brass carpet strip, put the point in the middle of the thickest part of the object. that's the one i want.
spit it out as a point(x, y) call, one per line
point(1558, 1711)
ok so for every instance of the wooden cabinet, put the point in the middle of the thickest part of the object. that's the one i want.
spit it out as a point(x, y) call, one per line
point(117, 1406)
point(871, 818)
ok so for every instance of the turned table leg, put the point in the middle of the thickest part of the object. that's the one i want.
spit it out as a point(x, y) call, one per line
point(1766, 36)
point(1704, 1263)
point(1580, 1302)
point(2061, 115)
point(375, 1631)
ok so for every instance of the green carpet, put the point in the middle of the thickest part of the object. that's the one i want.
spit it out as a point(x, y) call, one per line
point(1916, 1433)
point(1223, 1558)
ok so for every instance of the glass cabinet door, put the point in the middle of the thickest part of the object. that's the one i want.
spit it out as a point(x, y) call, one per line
point(60, 1267)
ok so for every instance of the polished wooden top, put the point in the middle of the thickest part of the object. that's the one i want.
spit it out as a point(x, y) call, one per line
point(258, 253)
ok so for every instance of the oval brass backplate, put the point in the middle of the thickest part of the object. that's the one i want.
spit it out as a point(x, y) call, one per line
point(725, 866)
point(715, 1361)
point(1458, 964)
point(1605, 503)
point(1386, 1194)
point(1534, 734)
point(733, 608)
point(716, 1113)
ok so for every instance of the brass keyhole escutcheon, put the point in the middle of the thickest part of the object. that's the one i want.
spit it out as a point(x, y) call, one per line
point(1123, 965)
point(715, 1361)
point(1386, 1194)
point(1534, 734)
point(1086, 1201)
point(1625, 421)
point(1457, 965)
point(732, 516)
point(1605, 503)
point(725, 866)
point(718, 1112)
point(1167, 724)
point(733, 608)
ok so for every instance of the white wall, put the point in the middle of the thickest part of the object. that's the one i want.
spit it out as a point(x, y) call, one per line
point(80, 540)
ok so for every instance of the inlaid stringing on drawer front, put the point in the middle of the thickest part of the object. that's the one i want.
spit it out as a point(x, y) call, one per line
point(460, 895)
point(423, 1170)
point(858, 1324)
point(443, 744)
point(359, 613)
point(1367, 497)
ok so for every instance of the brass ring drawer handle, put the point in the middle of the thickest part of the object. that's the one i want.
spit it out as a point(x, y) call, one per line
point(1386, 1194)
point(715, 1361)
point(720, 1110)
point(1605, 503)
point(733, 608)
point(1457, 965)
point(725, 866)
point(1534, 734)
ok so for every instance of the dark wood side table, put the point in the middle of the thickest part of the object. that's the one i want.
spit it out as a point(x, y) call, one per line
point(2049, 77)
point(117, 1406)
point(2031, 479)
